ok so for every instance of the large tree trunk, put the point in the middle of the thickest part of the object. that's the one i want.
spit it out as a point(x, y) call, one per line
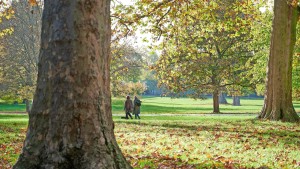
point(216, 102)
point(278, 98)
point(70, 124)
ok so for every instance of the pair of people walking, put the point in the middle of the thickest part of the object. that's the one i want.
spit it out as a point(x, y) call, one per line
point(134, 106)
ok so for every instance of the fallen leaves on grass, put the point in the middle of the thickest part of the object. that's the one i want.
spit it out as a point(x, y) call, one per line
point(11, 141)
point(190, 145)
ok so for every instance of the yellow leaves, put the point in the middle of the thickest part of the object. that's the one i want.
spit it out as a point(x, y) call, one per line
point(209, 156)
point(8, 16)
point(10, 145)
point(294, 3)
point(247, 146)
point(7, 31)
point(7, 13)
point(32, 2)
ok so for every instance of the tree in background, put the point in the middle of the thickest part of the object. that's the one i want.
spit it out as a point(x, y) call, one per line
point(296, 67)
point(206, 49)
point(70, 124)
point(278, 98)
point(204, 44)
point(149, 74)
point(19, 61)
point(133, 88)
point(126, 68)
point(6, 14)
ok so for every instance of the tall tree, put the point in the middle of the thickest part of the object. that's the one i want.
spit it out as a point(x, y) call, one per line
point(278, 98)
point(205, 50)
point(70, 125)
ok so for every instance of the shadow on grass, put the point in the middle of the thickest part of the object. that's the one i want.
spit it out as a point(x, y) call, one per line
point(167, 109)
point(284, 136)
point(13, 116)
point(165, 161)
point(155, 109)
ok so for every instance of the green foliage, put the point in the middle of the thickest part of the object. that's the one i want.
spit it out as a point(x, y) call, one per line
point(206, 48)
point(296, 67)
point(258, 63)
point(127, 62)
point(130, 88)
point(149, 74)
point(205, 44)
point(126, 69)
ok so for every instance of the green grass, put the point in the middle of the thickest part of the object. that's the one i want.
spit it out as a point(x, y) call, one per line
point(12, 133)
point(166, 105)
point(4, 107)
point(209, 142)
point(196, 141)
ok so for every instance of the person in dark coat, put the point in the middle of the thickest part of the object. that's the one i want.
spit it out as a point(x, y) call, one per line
point(128, 107)
point(136, 107)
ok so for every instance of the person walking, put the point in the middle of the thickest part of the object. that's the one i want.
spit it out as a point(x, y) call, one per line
point(136, 107)
point(128, 107)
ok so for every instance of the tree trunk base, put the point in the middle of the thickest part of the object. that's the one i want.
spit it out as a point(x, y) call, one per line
point(76, 160)
point(287, 116)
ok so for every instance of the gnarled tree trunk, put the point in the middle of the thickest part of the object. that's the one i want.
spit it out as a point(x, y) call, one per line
point(70, 124)
point(278, 98)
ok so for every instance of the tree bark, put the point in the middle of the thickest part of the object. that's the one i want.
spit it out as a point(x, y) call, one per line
point(222, 98)
point(70, 124)
point(278, 98)
point(216, 102)
point(236, 101)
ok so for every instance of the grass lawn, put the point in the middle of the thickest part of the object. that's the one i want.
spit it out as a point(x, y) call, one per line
point(166, 105)
point(227, 141)
point(12, 134)
point(5, 107)
point(10, 107)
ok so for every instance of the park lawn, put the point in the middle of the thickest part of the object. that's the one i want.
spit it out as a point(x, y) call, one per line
point(12, 134)
point(167, 105)
point(205, 141)
point(8, 107)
